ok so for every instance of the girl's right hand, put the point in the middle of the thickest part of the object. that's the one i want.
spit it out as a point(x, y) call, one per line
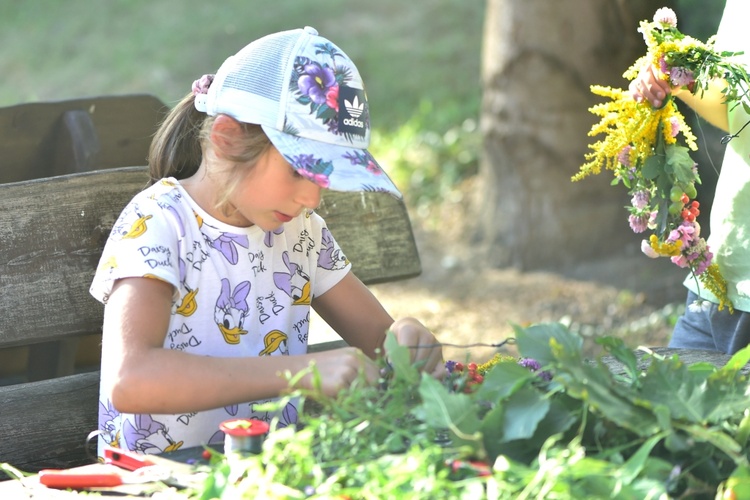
point(339, 368)
point(650, 85)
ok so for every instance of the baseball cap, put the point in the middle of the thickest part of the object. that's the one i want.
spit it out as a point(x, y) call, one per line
point(309, 99)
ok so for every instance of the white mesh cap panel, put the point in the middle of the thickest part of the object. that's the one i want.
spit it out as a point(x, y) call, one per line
point(260, 68)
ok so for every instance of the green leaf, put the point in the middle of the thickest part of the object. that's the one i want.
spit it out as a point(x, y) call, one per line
point(693, 394)
point(503, 379)
point(678, 157)
point(653, 167)
point(637, 461)
point(617, 348)
point(715, 437)
point(535, 341)
point(737, 362)
point(595, 385)
point(523, 411)
point(399, 358)
point(445, 410)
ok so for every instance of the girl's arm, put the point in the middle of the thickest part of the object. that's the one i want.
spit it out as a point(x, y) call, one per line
point(143, 377)
point(355, 313)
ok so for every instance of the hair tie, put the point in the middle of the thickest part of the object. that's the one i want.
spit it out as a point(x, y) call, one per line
point(200, 86)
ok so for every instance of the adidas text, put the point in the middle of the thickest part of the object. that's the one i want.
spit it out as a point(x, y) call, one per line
point(353, 123)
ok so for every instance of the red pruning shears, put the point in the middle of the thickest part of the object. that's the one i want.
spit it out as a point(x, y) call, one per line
point(141, 470)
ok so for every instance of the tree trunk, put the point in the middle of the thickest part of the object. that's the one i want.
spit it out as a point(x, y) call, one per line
point(539, 59)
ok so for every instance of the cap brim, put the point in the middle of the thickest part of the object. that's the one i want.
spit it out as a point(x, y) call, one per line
point(338, 168)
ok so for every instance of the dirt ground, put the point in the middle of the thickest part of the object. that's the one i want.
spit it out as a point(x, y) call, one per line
point(465, 303)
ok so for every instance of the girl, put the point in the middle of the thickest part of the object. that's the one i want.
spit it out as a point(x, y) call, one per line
point(708, 327)
point(209, 274)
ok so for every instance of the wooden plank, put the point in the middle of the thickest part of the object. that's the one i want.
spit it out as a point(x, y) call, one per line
point(30, 133)
point(45, 424)
point(48, 272)
point(52, 232)
point(374, 231)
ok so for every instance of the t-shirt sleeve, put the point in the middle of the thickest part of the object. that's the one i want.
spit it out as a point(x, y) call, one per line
point(143, 242)
point(332, 264)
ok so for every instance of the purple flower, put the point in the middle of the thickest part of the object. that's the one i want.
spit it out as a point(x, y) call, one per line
point(450, 366)
point(624, 156)
point(529, 363)
point(640, 199)
point(638, 223)
point(534, 366)
point(681, 77)
point(315, 82)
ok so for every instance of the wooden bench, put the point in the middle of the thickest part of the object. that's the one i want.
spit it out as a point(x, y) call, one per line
point(44, 139)
point(52, 231)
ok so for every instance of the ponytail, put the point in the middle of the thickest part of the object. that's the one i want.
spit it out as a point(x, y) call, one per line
point(176, 147)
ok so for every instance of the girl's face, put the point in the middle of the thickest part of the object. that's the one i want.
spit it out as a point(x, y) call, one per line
point(271, 194)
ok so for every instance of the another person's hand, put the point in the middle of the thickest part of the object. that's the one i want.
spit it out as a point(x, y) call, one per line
point(649, 85)
point(425, 349)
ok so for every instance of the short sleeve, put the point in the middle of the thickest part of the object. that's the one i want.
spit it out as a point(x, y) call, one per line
point(144, 242)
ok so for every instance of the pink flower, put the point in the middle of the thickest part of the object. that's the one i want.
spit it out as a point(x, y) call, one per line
point(647, 250)
point(666, 18)
point(640, 199)
point(680, 260)
point(675, 124)
point(685, 232)
point(624, 156)
point(681, 77)
point(332, 97)
point(638, 223)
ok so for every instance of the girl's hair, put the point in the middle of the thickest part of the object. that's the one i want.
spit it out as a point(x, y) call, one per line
point(179, 145)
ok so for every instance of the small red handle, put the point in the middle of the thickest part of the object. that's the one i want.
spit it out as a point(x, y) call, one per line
point(125, 459)
point(62, 479)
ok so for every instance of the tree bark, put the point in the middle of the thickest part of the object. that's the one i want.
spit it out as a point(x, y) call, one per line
point(538, 62)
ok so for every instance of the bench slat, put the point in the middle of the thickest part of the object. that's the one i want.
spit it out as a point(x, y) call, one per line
point(45, 424)
point(34, 135)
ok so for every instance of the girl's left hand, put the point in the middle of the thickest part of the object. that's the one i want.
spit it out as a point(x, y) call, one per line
point(424, 347)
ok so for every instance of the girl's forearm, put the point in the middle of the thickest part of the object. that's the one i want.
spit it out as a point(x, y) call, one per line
point(166, 381)
point(709, 103)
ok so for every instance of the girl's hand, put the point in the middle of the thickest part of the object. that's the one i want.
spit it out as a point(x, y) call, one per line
point(424, 347)
point(339, 368)
point(650, 86)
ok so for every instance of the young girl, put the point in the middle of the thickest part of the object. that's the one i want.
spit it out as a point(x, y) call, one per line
point(209, 274)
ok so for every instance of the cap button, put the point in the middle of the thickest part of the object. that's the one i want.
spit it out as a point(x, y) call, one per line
point(311, 30)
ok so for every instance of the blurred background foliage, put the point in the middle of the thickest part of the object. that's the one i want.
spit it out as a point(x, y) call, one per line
point(420, 62)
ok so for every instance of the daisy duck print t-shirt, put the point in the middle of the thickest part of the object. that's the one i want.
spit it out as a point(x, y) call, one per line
point(238, 292)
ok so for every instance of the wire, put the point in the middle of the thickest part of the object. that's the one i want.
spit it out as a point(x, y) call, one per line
point(510, 340)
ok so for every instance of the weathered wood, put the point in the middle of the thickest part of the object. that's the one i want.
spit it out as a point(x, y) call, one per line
point(44, 139)
point(45, 274)
point(52, 232)
point(45, 424)
point(374, 232)
point(33, 135)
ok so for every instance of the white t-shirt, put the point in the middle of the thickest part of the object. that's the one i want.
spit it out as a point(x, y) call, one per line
point(730, 210)
point(238, 292)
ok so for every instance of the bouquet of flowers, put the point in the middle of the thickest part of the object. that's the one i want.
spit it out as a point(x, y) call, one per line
point(640, 146)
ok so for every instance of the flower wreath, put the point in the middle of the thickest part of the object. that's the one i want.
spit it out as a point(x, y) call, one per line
point(640, 146)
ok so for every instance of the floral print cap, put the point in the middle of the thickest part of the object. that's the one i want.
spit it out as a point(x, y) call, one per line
point(310, 100)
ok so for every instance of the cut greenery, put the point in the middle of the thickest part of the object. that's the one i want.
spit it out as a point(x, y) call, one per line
point(670, 431)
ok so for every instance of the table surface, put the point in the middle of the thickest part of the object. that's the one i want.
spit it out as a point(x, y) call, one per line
point(185, 465)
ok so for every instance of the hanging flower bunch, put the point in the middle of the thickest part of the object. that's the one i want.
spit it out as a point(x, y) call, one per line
point(640, 145)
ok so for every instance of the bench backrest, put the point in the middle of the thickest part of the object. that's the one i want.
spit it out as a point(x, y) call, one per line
point(45, 139)
point(52, 231)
